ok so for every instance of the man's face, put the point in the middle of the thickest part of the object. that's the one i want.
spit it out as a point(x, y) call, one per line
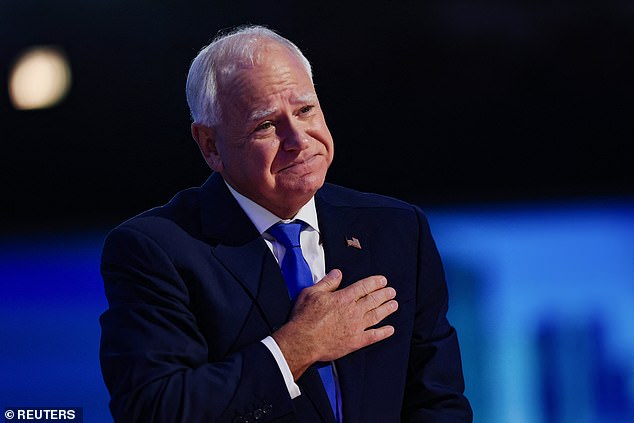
point(273, 144)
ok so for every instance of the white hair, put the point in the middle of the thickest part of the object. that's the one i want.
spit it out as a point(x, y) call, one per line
point(226, 54)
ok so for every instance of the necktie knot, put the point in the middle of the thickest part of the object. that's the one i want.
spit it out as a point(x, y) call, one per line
point(287, 234)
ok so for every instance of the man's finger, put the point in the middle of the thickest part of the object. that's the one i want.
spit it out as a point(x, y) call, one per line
point(363, 287)
point(330, 282)
point(376, 315)
point(372, 336)
point(376, 298)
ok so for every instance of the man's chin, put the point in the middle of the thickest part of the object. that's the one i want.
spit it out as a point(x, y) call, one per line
point(306, 184)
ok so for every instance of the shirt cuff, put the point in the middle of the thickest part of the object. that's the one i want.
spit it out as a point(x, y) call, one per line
point(293, 388)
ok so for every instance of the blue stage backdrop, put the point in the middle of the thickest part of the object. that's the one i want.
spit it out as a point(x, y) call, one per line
point(542, 296)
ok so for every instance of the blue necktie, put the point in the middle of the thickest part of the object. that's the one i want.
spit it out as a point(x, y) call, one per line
point(298, 276)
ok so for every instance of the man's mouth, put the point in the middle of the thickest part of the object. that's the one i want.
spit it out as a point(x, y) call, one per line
point(296, 163)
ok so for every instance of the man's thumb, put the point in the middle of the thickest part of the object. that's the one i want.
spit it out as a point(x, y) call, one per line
point(330, 282)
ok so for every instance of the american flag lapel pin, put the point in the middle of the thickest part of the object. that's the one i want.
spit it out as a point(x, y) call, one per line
point(353, 242)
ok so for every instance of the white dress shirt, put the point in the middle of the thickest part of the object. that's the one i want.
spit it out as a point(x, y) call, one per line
point(312, 251)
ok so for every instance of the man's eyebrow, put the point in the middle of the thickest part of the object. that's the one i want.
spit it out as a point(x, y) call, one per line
point(260, 114)
point(301, 99)
point(305, 98)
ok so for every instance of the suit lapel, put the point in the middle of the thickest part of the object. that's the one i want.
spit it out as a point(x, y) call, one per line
point(236, 242)
point(261, 279)
point(337, 229)
point(337, 226)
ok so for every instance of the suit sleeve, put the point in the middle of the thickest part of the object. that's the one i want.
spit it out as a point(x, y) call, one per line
point(156, 363)
point(435, 384)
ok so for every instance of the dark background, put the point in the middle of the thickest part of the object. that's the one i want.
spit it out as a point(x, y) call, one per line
point(438, 102)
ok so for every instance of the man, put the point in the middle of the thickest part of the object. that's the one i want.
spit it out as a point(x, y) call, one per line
point(204, 325)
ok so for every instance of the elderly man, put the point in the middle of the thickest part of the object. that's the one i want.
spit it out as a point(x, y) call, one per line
point(267, 294)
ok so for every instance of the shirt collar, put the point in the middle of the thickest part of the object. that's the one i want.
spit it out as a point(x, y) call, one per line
point(264, 219)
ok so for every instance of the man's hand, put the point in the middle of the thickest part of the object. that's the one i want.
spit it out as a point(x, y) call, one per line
point(326, 324)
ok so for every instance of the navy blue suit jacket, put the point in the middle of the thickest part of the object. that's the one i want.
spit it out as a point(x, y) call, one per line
point(193, 288)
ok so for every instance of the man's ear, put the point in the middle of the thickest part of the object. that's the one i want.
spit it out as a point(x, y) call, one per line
point(205, 137)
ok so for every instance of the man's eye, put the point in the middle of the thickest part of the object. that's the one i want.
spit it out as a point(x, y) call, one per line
point(306, 109)
point(264, 126)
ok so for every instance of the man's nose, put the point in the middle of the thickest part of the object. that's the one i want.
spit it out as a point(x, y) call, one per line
point(294, 137)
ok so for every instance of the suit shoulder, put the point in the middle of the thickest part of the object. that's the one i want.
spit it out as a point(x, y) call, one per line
point(339, 196)
point(182, 211)
point(381, 207)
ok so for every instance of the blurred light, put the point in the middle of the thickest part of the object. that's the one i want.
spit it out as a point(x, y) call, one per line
point(39, 78)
